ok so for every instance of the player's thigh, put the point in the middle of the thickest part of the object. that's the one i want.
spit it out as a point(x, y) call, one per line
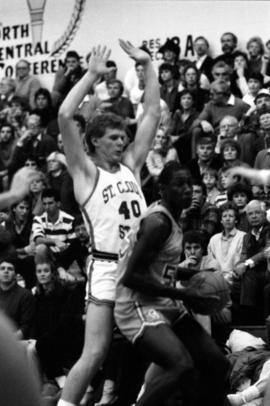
point(163, 347)
point(98, 328)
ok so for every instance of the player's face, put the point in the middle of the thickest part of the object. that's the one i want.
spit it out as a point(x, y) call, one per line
point(179, 190)
point(193, 250)
point(111, 145)
point(228, 219)
point(7, 272)
point(43, 273)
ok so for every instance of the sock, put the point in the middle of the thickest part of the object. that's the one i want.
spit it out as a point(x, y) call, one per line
point(250, 393)
point(62, 402)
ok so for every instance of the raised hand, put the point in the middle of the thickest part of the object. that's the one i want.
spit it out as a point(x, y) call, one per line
point(98, 59)
point(135, 53)
point(22, 179)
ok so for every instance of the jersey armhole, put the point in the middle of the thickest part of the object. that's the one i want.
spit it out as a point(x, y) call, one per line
point(93, 190)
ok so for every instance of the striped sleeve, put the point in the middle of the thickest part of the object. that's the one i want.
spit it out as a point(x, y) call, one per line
point(37, 228)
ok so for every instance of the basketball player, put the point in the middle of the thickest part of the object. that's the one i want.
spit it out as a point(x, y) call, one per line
point(106, 185)
point(148, 309)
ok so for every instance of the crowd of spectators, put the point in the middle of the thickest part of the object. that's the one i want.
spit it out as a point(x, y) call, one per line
point(215, 114)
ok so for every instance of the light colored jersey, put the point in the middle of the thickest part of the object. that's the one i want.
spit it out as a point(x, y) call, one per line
point(163, 267)
point(115, 202)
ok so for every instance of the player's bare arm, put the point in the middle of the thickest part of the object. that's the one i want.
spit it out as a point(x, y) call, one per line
point(81, 167)
point(137, 151)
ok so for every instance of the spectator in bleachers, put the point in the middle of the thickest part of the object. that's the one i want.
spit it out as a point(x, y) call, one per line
point(33, 142)
point(66, 77)
point(53, 228)
point(252, 268)
point(19, 224)
point(221, 71)
point(60, 180)
point(36, 188)
point(230, 152)
point(46, 111)
point(7, 147)
point(255, 48)
point(26, 85)
point(169, 85)
point(210, 179)
point(7, 91)
point(239, 87)
point(223, 184)
point(203, 61)
point(240, 194)
point(205, 156)
point(228, 42)
point(254, 83)
point(16, 302)
point(135, 92)
point(191, 82)
point(170, 52)
point(226, 246)
point(180, 125)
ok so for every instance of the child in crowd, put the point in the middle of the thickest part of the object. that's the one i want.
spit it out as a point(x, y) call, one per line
point(210, 179)
point(223, 183)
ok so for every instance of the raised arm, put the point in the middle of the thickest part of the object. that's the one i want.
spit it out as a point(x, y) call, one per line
point(137, 151)
point(82, 169)
point(256, 176)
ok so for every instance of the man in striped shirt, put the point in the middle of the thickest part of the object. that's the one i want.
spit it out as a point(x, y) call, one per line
point(54, 227)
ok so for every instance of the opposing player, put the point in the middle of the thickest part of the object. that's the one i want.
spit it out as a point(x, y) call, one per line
point(148, 309)
point(106, 185)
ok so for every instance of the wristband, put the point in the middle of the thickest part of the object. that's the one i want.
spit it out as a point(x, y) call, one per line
point(250, 394)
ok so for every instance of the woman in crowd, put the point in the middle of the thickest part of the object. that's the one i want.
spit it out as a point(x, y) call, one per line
point(181, 123)
point(191, 82)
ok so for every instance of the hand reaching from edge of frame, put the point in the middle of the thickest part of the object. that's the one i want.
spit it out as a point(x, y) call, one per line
point(135, 53)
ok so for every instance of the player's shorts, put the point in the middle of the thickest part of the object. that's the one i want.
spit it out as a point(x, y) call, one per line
point(102, 283)
point(132, 318)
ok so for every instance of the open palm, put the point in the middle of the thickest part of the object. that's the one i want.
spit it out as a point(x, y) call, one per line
point(135, 53)
point(98, 59)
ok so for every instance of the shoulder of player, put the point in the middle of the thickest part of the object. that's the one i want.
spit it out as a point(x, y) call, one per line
point(158, 224)
point(85, 178)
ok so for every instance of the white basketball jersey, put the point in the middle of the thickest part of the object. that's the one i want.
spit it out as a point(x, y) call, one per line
point(115, 202)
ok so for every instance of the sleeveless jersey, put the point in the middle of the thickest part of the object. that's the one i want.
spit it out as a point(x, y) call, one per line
point(115, 202)
point(163, 268)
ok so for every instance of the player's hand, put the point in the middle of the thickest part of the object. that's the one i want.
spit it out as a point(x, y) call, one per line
point(21, 182)
point(233, 172)
point(135, 53)
point(97, 63)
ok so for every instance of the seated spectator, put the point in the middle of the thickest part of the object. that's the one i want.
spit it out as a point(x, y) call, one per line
point(252, 268)
point(230, 153)
point(170, 54)
point(239, 75)
point(221, 71)
point(191, 218)
point(191, 82)
point(7, 147)
point(228, 42)
point(210, 179)
point(101, 89)
point(161, 153)
point(60, 180)
point(180, 125)
point(262, 101)
point(58, 327)
point(33, 142)
point(210, 221)
point(77, 251)
point(36, 188)
point(254, 84)
point(255, 48)
point(240, 194)
point(7, 91)
point(66, 77)
point(54, 227)
point(135, 93)
point(169, 86)
point(46, 111)
point(222, 103)
point(203, 61)
point(26, 85)
point(206, 157)
point(16, 115)
point(16, 302)
point(223, 184)
point(225, 247)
